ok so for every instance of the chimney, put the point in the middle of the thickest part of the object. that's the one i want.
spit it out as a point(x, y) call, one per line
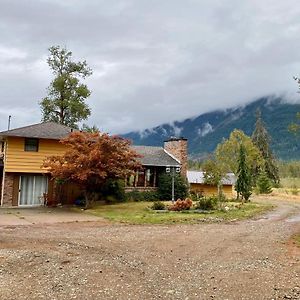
point(178, 148)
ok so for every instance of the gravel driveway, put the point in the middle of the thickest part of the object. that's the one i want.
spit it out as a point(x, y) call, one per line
point(254, 259)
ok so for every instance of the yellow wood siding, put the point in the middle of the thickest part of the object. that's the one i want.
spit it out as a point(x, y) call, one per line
point(18, 160)
point(210, 190)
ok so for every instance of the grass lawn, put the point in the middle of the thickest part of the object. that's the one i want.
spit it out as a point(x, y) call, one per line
point(139, 213)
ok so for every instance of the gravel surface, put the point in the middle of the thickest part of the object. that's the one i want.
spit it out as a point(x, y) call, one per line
point(253, 259)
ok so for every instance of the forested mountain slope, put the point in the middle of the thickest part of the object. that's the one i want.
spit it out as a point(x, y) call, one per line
point(205, 131)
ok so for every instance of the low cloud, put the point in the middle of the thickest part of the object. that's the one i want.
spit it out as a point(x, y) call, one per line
point(154, 62)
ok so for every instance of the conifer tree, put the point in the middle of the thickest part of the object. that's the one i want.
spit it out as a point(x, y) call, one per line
point(261, 140)
point(243, 185)
point(263, 183)
point(295, 126)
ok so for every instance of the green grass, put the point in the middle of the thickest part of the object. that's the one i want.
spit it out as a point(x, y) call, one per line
point(139, 213)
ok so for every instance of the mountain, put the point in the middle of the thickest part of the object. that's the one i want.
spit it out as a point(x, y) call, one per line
point(207, 130)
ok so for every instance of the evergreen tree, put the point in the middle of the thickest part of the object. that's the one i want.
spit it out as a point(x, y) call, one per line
point(261, 140)
point(263, 183)
point(65, 103)
point(165, 187)
point(295, 126)
point(243, 185)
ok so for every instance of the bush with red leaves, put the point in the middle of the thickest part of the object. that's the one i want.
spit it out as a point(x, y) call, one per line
point(180, 205)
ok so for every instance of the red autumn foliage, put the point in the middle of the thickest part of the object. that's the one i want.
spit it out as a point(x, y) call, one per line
point(92, 158)
point(180, 205)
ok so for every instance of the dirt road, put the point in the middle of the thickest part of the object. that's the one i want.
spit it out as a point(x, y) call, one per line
point(253, 259)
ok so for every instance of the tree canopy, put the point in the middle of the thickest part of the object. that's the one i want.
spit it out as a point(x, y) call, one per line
point(214, 172)
point(228, 152)
point(261, 140)
point(65, 102)
point(92, 158)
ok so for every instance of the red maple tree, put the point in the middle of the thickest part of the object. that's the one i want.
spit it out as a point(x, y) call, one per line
point(91, 159)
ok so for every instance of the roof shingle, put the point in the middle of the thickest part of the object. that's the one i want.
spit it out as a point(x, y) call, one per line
point(155, 156)
point(46, 130)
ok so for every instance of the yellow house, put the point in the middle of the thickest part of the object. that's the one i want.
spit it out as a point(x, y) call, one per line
point(24, 182)
point(198, 185)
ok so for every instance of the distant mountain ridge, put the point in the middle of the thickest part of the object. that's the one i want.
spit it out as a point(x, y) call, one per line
point(207, 130)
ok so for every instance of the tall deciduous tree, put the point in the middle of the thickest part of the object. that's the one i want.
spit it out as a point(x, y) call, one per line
point(91, 159)
point(228, 152)
point(214, 172)
point(243, 185)
point(261, 140)
point(65, 103)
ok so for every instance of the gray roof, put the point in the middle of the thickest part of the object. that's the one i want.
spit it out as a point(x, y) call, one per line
point(198, 177)
point(155, 156)
point(46, 130)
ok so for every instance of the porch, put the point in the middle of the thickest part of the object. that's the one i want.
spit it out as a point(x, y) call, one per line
point(145, 179)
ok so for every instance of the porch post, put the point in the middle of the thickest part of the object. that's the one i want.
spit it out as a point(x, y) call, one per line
point(136, 176)
point(154, 178)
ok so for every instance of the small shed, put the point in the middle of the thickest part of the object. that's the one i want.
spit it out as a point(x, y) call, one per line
point(198, 185)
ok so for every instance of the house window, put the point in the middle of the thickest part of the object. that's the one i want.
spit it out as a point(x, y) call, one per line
point(31, 145)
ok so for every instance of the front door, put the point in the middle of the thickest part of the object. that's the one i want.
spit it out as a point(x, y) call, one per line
point(32, 189)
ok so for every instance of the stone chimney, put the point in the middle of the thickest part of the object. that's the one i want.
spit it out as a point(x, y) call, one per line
point(178, 148)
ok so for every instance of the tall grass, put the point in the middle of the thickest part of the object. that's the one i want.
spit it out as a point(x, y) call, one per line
point(290, 182)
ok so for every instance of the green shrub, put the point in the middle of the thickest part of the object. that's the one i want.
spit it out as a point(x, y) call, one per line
point(113, 191)
point(207, 203)
point(158, 205)
point(180, 205)
point(141, 196)
point(133, 196)
point(277, 185)
point(222, 197)
point(165, 187)
point(196, 196)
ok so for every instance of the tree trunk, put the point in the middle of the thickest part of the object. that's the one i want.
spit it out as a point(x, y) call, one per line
point(220, 194)
point(90, 199)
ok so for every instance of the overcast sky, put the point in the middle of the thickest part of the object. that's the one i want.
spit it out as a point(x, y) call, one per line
point(153, 61)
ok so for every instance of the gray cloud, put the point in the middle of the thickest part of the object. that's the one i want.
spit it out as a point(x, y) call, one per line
point(153, 61)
